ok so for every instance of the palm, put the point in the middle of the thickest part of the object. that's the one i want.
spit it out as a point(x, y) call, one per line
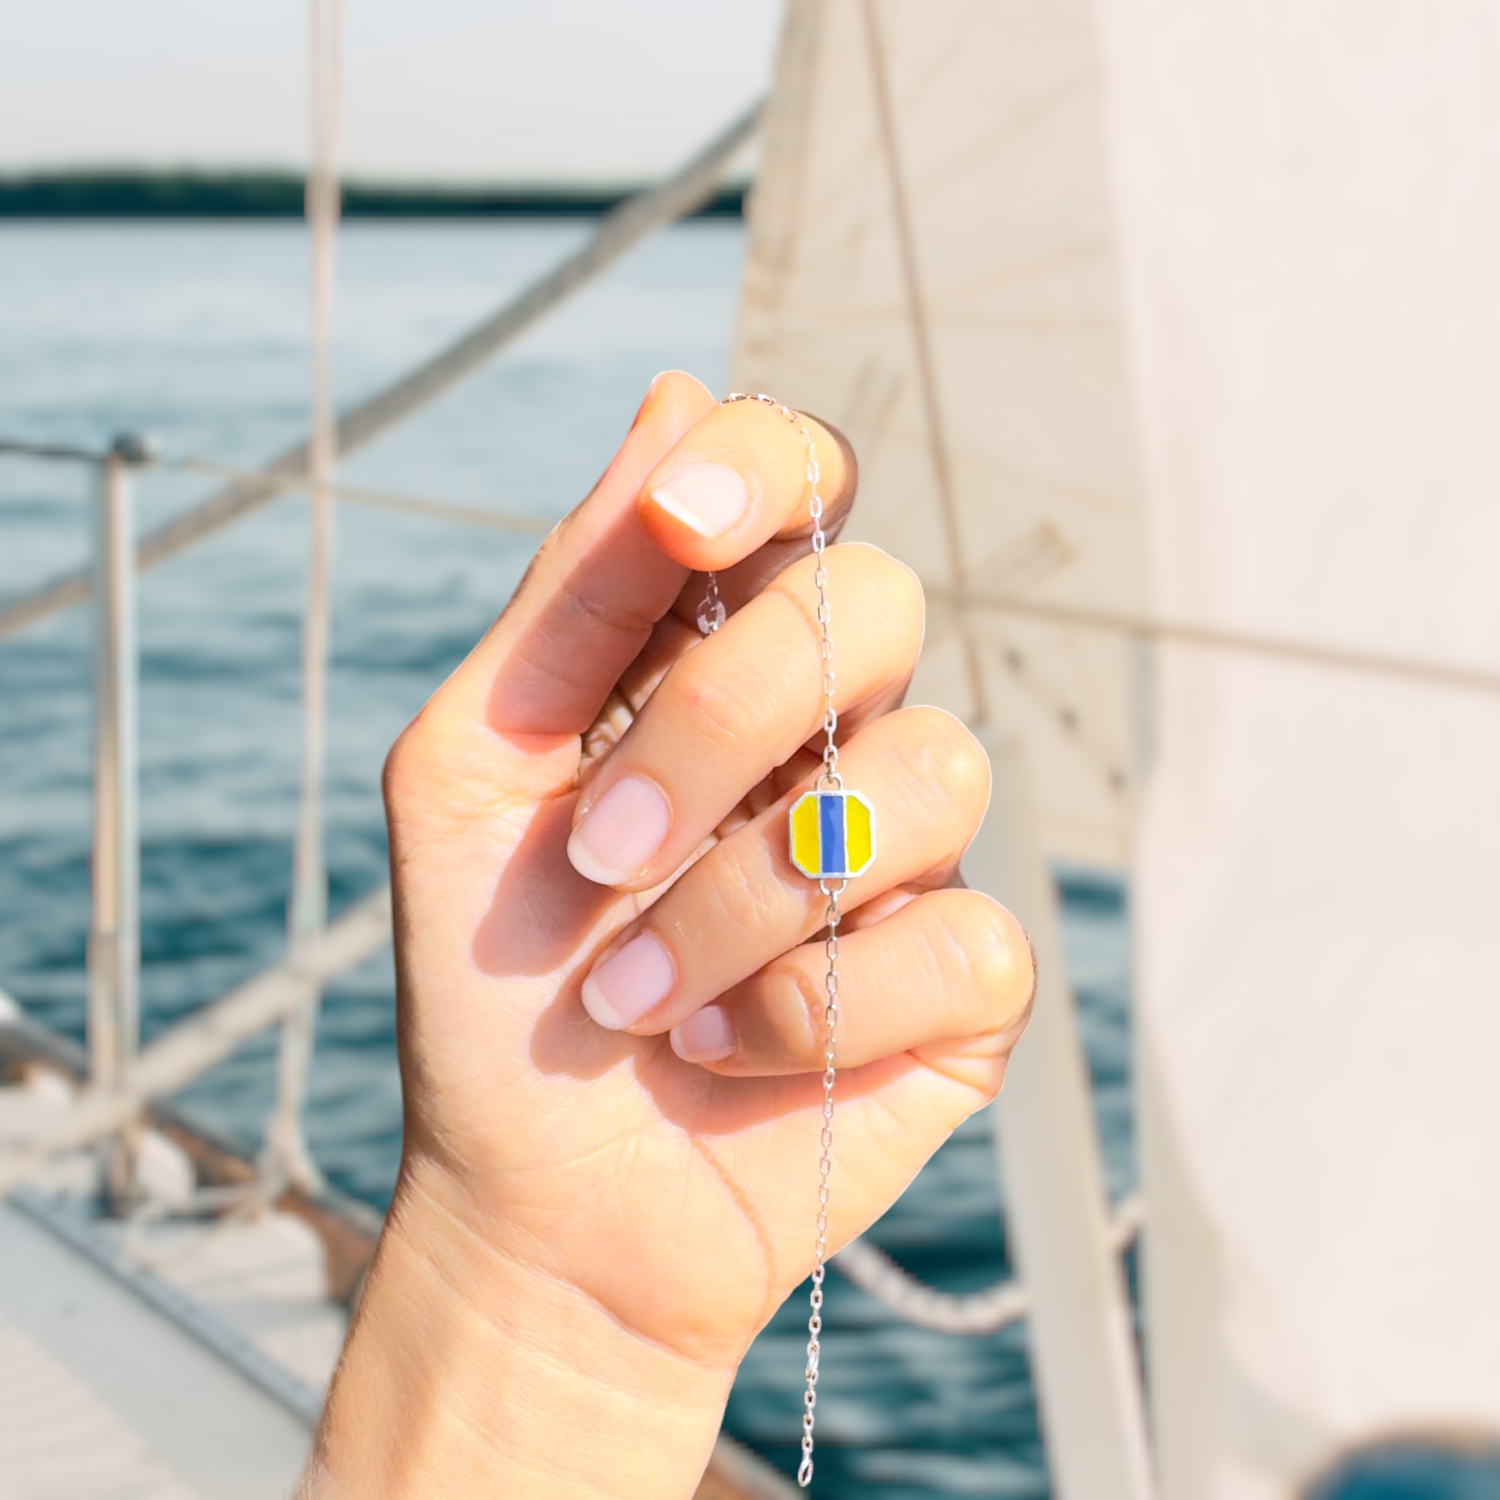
point(703, 1187)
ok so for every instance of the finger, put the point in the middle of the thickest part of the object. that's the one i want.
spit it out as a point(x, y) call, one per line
point(743, 581)
point(591, 596)
point(743, 904)
point(952, 966)
point(738, 704)
point(668, 642)
point(738, 479)
point(678, 630)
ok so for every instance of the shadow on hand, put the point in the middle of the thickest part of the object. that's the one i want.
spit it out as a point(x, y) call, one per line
point(546, 921)
point(543, 912)
point(577, 637)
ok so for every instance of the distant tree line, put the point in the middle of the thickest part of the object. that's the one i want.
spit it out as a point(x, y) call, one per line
point(279, 195)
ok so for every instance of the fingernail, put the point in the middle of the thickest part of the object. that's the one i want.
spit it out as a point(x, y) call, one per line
point(708, 497)
point(629, 982)
point(706, 1036)
point(620, 832)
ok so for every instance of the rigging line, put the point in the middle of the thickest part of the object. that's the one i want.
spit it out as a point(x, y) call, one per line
point(286, 1153)
point(986, 1311)
point(392, 500)
point(1211, 637)
point(619, 230)
point(12, 448)
point(190, 1047)
point(415, 505)
point(325, 25)
point(921, 341)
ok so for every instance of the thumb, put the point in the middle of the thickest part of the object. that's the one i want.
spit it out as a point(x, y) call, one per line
point(589, 600)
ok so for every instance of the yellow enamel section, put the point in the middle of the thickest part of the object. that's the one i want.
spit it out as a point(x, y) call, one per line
point(858, 835)
point(806, 854)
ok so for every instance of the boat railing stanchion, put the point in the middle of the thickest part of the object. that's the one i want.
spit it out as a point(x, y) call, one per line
point(113, 1018)
point(1065, 1245)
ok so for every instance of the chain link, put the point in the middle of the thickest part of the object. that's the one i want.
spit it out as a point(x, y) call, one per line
point(711, 611)
point(828, 779)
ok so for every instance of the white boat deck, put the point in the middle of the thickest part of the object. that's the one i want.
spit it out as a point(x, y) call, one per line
point(178, 1358)
point(102, 1396)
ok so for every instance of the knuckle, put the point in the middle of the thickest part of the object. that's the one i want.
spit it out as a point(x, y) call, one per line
point(423, 767)
point(733, 709)
point(585, 604)
point(398, 776)
point(800, 1009)
point(994, 958)
point(892, 588)
point(576, 596)
point(946, 768)
point(744, 900)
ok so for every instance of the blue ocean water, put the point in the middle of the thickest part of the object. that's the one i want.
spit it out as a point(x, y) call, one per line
point(198, 334)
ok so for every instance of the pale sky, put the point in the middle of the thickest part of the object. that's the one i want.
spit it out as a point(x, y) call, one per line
point(434, 89)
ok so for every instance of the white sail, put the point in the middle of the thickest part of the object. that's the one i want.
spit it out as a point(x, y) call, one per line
point(930, 268)
point(1311, 219)
point(1309, 228)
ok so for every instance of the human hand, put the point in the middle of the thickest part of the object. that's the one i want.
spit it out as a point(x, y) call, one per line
point(610, 995)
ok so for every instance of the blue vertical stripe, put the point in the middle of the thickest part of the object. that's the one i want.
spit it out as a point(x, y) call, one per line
point(831, 833)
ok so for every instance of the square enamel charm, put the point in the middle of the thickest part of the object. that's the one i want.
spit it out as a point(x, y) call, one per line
point(832, 835)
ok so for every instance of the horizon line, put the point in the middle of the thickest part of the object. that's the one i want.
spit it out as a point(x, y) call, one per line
point(195, 193)
point(11, 176)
